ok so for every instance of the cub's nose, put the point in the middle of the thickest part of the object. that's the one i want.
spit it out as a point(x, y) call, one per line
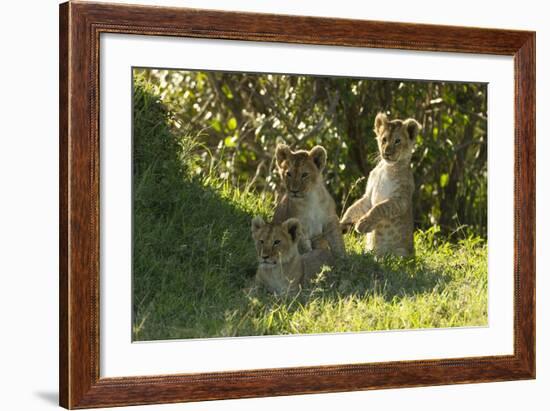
point(294, 191)
point(265, 257)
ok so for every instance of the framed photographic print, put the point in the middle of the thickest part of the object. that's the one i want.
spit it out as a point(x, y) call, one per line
point(258, 205)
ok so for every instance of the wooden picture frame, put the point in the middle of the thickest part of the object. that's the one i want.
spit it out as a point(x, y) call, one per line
point(80, 27)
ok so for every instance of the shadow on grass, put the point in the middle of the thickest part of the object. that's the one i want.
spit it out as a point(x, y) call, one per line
point(190, 263)
point(192, 250)
point(389, 277)
point(362, 274)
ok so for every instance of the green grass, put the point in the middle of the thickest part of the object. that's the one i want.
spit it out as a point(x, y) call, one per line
point(194, 259)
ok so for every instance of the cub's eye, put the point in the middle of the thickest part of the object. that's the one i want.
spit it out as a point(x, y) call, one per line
point(276, 242)
point(261, 241)
point(304, 175)
point(398, 141)
point(288, 174)
point(384, 140)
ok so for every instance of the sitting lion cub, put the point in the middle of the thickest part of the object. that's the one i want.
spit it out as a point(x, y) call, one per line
point(385, 212)
point(307, 199)
point(281, 268)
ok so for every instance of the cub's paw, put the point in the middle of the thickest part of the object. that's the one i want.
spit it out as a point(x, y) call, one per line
point(364, 225)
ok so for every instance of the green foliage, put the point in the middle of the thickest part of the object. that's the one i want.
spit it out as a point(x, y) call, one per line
point(241, 117)
point(194, 259)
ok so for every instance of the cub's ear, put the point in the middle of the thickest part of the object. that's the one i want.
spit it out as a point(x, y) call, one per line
point(292, 225)
point(319, 156)
point(257, 223)
point(380, 123)
point(413, 127)
point(282, 153)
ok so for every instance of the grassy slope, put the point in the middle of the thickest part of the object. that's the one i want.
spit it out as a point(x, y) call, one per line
point(194, 260)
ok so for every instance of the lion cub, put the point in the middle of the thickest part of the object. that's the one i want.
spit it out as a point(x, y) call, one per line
point(281, 268)
point(385, 212)
point(307, 199)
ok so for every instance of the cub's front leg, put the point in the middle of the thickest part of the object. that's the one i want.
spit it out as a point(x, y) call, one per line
point(355, 212)
point(366, 224)
point(333, 234)
point(384, 210)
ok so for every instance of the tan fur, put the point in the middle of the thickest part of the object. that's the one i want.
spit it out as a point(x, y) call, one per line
point(307, 199)
point(281, 268)
point(385, 211)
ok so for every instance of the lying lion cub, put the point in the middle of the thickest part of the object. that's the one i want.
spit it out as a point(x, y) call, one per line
point(385, 213)
point(281, 268)
point(307, 199)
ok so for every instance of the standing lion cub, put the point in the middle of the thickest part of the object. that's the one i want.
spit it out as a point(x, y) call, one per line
point(307, 199)
point(385, 213)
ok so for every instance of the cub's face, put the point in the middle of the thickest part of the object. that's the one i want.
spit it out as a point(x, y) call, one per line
point(395, 138)
point(300, 170)
point(275, 243)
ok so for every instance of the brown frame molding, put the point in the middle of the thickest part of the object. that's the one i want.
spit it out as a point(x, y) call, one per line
point(81, 24)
